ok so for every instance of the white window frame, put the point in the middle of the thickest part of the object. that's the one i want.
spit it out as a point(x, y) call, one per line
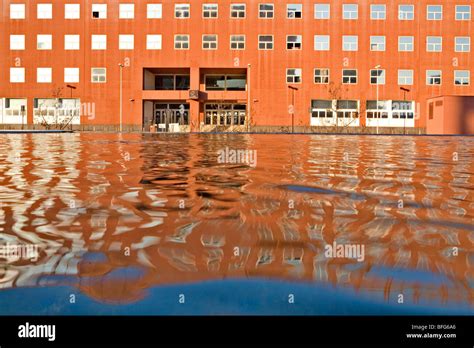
point(208, 44)
point(404, 15)
point(72, 42)
point(71, 75)
point(268, 14)
point(291, 13)
point(17, 75)
point(101, 9)
point(238, 11)
point(44, 75)
point(323, 77)
point(462, 47)
point(405, 80)
point(154, 42)
point(462, 78)
point(212, 12)
point(126, 42)
point(296, 78)
point(72, 11)
point(17, 11)
point(237, 43)
point(44, 11)
point(98, 76)
point(322, 11)
point(440, 77)
point(266, 43)
point(462, 15)
point(436, 46)
point(434, 15)
point(182, 11)
point(154, 11)
point(404, 46)
point(348, 12)
point(350, 46)
point(378, 46)
point(381, 79)
point(127, 11)
point(322, 46)
point(299, 41)
point(17, 42)
point(378, 15)
point(350, 77)
point(48, 41)
point(98, 42)
point(181, 42)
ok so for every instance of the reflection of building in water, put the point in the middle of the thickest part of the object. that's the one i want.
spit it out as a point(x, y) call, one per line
point(167, 213)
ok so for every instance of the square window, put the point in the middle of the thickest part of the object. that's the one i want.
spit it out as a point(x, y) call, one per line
point(463, 12)
point(17, 11)
point(126, 11)
point(293, 75)
point(153, 42)
point(406, 12)
point(350, 11)
point(237, 11)
point(405, 77)
point(44, 42)
point(71, 42)
point(349, 76)
point(377, 43)
point(321, 76)
point(17, 75)
point(181, 42)
point(17, 42)
point(72, 11)
point(434, 44)
point(99, 11)
point(266, 11)
point(265, 42)
point(71, 75)
point(126, 42)
point(322, 11)
point(321, 43)
point(433, 77)
point(462, 77)
point(463, 44)
point(154, 11)
point(406, 43)
point(350, 43)
point(209, 42)
point(209, 11)
point(378, 12)
point(434, 12)
point(237, 42)
point(294, 42)
point(294, 11)
point(44, 75)
point(98, 75)
point(182, 11)
point(377, 77)
point(44, 11)
point(99, 42)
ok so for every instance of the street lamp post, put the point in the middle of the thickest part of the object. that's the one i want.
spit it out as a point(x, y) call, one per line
point(405, 91)
point(292, 109)
point(249, 106)
point(121, 96)
point(377, 114)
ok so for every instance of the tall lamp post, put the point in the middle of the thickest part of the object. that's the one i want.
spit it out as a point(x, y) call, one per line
point(292, 109)
point(249, 106)
point(121, 96)
point(377, 114)
point(405, 91)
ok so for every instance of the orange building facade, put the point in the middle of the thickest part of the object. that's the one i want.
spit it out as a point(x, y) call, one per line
point(231, 65)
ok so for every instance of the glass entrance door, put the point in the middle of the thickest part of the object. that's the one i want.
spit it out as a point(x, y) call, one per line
point(225, 114)
point(171, 113)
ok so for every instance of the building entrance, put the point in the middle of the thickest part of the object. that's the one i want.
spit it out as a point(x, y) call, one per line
point(171, 113)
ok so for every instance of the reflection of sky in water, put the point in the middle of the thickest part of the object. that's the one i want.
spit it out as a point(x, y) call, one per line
point(86, 198)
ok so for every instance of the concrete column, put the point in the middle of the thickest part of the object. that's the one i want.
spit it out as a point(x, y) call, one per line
point(194, 108)
point(29, 110)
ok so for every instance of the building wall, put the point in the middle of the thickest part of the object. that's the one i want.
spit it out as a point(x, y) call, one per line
point(450, 115)
point(270, 95)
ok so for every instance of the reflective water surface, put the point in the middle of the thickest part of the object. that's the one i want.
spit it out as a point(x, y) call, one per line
point(157, 224)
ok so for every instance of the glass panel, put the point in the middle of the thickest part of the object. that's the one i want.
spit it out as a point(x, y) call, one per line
point(164, 82)
point(215, 83)
point(236, 83)
point(182, 83)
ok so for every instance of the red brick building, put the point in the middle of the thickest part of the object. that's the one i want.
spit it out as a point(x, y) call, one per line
point(195, 65)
